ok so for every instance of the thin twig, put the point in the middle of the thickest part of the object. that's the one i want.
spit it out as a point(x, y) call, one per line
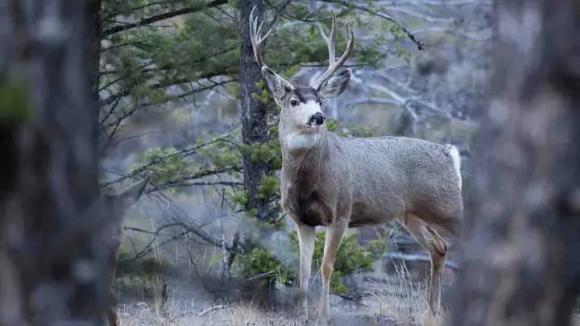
point(208, 310)
point(163, 16)
point(357, 5)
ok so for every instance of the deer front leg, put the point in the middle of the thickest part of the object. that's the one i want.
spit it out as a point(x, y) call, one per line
point(306, 236)
point(334, 235)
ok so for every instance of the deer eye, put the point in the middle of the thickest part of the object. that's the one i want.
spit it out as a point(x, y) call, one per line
point(293, 102)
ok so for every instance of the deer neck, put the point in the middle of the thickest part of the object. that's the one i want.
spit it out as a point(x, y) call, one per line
point(303, 155)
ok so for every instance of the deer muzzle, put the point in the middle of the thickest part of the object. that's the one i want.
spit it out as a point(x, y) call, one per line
point(317, 119)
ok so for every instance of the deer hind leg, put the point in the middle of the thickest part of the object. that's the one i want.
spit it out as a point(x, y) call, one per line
point(436, 246)
point(334, 235)
point(306, 236)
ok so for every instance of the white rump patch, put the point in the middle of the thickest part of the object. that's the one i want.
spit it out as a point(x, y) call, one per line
point(302, 140)
point(454, 153)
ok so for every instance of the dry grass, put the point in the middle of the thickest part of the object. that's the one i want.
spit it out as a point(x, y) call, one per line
point(181, 313)
point(387, 300)
point(398, 297)
point(429, 319)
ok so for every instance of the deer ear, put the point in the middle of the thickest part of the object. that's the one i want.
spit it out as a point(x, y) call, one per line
point(335, 85)
point(277, 85)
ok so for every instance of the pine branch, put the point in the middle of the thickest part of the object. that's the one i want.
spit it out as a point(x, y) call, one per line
point(183, 153)
point(163, 16)
point(164, 84)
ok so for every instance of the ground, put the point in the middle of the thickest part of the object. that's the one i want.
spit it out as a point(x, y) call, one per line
point(386, 299)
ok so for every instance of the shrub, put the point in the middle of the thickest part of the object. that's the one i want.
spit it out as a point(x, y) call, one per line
point(351, 257)
point(259, 263)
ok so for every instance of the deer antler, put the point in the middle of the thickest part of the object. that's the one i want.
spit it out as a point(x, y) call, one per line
point(257, 38)
point(330, 40)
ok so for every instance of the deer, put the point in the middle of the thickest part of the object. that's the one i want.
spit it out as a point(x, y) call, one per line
point(340, 182)
point(117, 206)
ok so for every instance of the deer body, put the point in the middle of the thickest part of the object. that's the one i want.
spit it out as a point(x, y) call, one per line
point(348, 182)
point(370, 181)
point(339, 182)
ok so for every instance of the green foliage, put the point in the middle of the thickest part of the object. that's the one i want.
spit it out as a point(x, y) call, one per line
point(332, 125)
point(363, 132)
point(220, 155)
point(378, 247)
point(163, 164)
point(171, 167)
point(260, 263)
point(239, 198)
point(142, 277)
point(143, 62)
point(336, 127)
point(148, 63)
point(372, 54)
point(14, 106)
point(351, 257)
point(264, 97)
point(263, 152)
point(269, 187)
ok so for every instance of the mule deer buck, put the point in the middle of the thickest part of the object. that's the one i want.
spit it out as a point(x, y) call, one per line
point(337, 182)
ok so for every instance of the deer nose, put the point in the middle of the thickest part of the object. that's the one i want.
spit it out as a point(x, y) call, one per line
point(317, 119)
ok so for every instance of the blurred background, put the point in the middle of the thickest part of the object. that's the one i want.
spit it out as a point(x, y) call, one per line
point(140, 179)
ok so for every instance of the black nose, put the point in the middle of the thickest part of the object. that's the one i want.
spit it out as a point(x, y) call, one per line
point(318, 119)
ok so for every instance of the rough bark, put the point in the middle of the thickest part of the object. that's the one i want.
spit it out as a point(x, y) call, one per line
point(523, 226)
point(94, 29)
point(253, 111)
point(51, 255)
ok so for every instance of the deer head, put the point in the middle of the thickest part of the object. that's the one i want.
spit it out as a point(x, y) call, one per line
point(301, 104)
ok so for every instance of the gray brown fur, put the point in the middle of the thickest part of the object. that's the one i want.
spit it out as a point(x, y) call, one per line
point(307, 93)
point(371, 181)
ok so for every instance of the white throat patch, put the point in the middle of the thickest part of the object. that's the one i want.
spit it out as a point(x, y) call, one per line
point(298, 140)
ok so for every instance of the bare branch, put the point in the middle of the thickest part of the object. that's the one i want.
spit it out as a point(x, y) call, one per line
point(418, 257)
point(160, 85)
point(168, 99)
point(439, 3)
point(183, 184)
point(186, 229)
point(383, 15)
point(208, 310)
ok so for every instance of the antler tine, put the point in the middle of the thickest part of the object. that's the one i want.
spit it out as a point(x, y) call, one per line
point(330, 39)
point(333, 65)
point(257, 38)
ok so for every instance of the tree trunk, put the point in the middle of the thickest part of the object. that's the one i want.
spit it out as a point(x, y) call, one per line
point(253, 112)
point(523, 226)
point(51, 253)
point(94, 29)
